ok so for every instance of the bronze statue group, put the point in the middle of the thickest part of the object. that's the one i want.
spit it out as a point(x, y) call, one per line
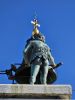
point(38, 64)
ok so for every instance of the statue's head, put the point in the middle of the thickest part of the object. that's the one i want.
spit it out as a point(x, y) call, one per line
point(39, 37)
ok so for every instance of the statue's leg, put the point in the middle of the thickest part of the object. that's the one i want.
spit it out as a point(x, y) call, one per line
point(44, 72)
point(34, 72)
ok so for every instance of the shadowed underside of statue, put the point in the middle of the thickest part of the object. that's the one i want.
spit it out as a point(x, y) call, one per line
point(23, 75)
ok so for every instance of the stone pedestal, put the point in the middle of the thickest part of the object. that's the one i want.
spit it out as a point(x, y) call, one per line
point(23, 91)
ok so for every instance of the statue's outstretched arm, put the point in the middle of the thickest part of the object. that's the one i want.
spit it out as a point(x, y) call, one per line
point(25, 53)
point(51, 59)
point(26, 49)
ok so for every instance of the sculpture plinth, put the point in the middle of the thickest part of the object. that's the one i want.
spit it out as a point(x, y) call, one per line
point(35, 91)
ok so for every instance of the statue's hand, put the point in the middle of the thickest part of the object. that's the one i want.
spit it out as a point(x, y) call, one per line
point(53, 66)
point(57, 65)
point(27, 64)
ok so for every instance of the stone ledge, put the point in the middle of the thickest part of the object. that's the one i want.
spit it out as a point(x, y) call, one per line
point(35, 91)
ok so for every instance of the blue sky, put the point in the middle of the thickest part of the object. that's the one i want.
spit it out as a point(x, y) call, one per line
point(57, 20)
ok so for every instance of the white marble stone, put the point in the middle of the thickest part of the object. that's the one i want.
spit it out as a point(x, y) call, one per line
point(25, 91)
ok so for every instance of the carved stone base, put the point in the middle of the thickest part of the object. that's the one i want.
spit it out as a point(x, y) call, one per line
point(35, 91)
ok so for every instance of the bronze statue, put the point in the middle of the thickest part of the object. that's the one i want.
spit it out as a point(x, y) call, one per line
point(38, 64)
point(37, 55)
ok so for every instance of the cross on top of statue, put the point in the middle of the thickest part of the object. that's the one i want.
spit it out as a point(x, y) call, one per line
point(36, 25)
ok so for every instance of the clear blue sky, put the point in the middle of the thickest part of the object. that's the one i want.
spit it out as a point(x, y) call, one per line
point(57, 19)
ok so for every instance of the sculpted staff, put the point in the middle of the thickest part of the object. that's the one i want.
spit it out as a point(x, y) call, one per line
point(37, 55)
